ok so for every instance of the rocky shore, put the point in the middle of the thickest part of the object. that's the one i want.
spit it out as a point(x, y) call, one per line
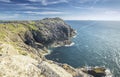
point(23, 45)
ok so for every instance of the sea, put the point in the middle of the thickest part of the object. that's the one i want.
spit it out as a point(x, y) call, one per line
point(97, 43)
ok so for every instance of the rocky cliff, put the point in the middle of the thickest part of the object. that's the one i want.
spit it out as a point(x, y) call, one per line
point(49, 31)
point(24, 43)
point(35, 36)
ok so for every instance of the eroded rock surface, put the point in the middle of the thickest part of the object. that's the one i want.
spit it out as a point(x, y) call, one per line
point(53, 70)
point(19, 66)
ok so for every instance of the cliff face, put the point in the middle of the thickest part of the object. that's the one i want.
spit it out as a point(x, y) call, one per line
point(49, 31)
point(23, 43)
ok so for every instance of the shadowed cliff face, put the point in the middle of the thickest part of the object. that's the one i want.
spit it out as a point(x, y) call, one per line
point(53, 30)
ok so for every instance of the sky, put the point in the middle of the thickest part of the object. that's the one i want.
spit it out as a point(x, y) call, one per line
point(65, 9)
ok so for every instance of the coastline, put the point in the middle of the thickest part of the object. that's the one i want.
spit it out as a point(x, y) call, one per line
point(34, 45)
point(49, 51)
point(80, 70)
point(59, 45)
point(69, 68)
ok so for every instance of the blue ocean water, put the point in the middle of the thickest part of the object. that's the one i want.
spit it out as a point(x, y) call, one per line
point(97, 43)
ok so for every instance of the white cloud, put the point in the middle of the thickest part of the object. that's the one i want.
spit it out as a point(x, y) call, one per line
point(79, 7)
point(112, 12)
point(6, 16)
point(92, 17)
point(22, 4)
point(46, 2)
point(38, 8)
point(30, 7)
point(92, 1)
point(83, 1)
point(5, 0)
point(43, 13)
point(103, 15)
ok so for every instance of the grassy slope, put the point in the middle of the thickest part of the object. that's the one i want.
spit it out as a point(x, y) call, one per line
point(10, 34)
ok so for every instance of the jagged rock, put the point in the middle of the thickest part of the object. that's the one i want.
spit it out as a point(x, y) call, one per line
point(97, 71)
point(53, 30)
point(53, 70)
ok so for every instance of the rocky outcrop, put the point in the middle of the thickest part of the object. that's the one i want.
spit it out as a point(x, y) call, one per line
point(52, 31)
point(53, 70)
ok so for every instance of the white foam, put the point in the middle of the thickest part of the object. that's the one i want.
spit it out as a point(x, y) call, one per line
point(70, 44)
point(67, 45)
point(108, 73)
point(75, 35)
point(48, 52)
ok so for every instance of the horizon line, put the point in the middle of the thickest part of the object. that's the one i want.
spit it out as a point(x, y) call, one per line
point(54, 17)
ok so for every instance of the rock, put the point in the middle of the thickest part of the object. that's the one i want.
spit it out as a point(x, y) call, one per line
point(8, 49)
point(25, 66)
point(74, 71)
point(19, 66)
point(53, 70)
point(50, 31)
point(97, 71)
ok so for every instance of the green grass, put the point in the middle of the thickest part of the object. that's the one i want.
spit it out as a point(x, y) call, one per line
point(23, 53)
point(9, 33)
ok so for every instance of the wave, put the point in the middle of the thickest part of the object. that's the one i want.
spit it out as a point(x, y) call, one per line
point(67, 45)
point(108, 73)
point(75, 35)
point(70, 44)
point(48, 52)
